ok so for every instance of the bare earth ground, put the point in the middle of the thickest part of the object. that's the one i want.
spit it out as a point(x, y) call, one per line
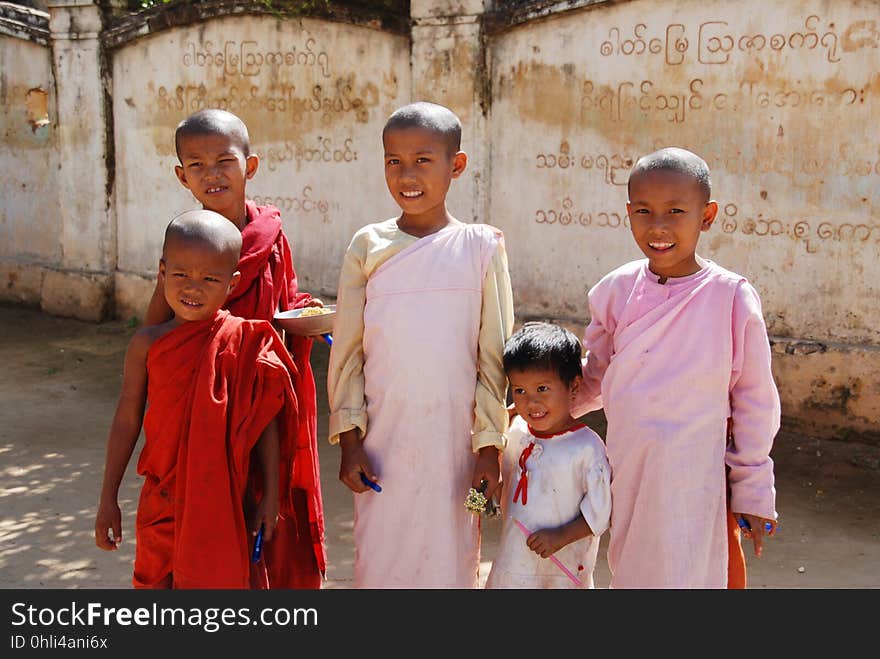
point(59, 380)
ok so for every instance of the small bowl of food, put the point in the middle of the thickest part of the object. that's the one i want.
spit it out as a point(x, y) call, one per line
point(309, 321)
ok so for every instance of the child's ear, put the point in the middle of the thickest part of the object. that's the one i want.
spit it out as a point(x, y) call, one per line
point(459, 164)
point(236, 277)
point(575, 385)
point(251, 163)
point(161, 268)
point(181, 176)
point(709, 213)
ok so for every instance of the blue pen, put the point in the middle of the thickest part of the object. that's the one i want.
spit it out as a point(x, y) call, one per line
point(328, 339)
point(745, 526)
point(366, 481)
point(258, 546)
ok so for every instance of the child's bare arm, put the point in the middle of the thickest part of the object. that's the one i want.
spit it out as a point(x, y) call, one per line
point(269, 452)
point(549, 541)
point(124, 432)
point(158, 310)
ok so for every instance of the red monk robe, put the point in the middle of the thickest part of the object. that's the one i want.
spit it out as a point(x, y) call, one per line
point(213, 386)
point(295, 557)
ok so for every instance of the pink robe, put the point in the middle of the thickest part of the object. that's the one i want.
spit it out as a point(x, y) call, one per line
point(673, 362)
point(421, 325)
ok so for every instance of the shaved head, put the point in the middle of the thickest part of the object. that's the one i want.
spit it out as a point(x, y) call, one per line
point(207, 229)
point(428, 116)
point(675, 159)
point(213, 122)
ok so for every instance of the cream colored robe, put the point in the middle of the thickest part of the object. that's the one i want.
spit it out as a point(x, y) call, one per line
point(416, 367)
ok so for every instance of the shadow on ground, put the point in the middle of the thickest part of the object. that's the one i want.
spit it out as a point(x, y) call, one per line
point(58, 387)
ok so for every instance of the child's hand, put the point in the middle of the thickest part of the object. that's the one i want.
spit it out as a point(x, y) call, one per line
point(488, 468)
point(266, 516)
point(754, 528)
point(108, 517)
point(315, 302)
point(511, 413)
point(546, 542)
point(354, 462)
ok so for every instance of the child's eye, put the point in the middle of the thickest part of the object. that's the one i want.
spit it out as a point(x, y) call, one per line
point(519, 391)
point(392, 161)
point(676, 210)
point(194, 164)
point(423, 159)
point(211, 279)
point(542, 388)
point(640, 211)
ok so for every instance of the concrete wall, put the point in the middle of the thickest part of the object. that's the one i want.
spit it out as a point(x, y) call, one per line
point(314, 96)
point(557, 100)
point(29, 208)
point(780, 98)
point(783, 101)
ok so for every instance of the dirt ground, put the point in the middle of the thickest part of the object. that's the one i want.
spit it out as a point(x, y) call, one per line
point(59, 380)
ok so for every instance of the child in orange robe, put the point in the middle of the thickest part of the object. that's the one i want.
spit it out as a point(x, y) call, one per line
point(213, 147)
point(220, 397)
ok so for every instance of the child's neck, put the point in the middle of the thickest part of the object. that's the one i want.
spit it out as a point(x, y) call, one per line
point(563, 427)
point(699, 264)
point(238, 215)
point(424, 225)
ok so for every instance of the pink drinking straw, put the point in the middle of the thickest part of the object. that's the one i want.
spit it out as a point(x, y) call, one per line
point(552, 557)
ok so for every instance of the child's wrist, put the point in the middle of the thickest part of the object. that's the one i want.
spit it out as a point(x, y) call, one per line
point(349, 439)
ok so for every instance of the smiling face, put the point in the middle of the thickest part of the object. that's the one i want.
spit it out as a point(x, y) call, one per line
point(213, 166)
point(419, 168)
point(197, 278)
point(543, 399)
point(667, 212)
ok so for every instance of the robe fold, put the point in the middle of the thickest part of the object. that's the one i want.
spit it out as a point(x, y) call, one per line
point(296, 556)
point(213, 387)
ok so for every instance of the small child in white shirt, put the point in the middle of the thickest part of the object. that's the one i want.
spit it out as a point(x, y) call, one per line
point(556, 500)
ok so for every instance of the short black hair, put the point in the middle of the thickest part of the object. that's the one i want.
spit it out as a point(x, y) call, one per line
point(430, 116)
point(539, 345)
point(207, 228)
point(675, 159)
point(213, 121)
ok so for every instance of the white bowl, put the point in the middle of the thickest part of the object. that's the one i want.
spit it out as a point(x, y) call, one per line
point(292, 321)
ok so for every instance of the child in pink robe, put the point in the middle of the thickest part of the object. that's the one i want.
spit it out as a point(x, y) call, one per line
point(676, 346)
point(416, 382)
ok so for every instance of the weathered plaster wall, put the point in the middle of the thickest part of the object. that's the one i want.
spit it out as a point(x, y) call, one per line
point(783, 101)
point(314, 96)
point(789, 130)
point(557, 100)
point(448, 67)
point(29, 197)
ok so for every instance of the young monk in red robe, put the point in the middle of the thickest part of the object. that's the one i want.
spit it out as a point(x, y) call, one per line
point(221, 406)
point(215, 164)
